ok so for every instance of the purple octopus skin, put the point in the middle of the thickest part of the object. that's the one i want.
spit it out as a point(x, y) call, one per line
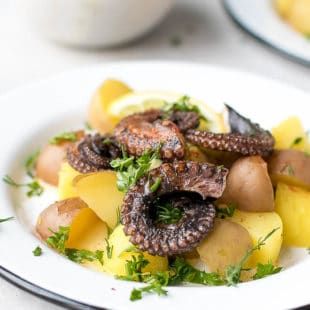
point(93, 153)
point(147, 131)
point(245, 138)
point(178, 180)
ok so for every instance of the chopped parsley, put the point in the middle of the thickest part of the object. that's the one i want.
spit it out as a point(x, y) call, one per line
point(63, 137)
point(130, 169)
point(156, 185)
point(264, 270)
point(297, 141)
point(6, 219)
point(226, 212)
point(167, 214)
point(88, 126)
point(181, 272)
point(81, 256)
point(109, 249)
point(37, 251)
point(30, 163)
point(233, 273)
point(58, 240)
point(184, 105)
point(34, 187)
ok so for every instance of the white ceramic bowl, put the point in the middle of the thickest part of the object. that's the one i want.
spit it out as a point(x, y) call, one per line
point(95, 23)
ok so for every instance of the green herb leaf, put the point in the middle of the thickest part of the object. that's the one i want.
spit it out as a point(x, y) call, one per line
point(233, 273)
point(167, 214)
point(88, 126)
point(58, 240)
point(288, 169)
point(30, 163)
point(80, 256)
point(183, 104)
point(297, 141)
point(34, 187)
point(37, 251)
point(264, 270)
point(226, 212)
point(130, 170)
point(6, 219)
point(109, 249)
point(63, 137)
point(156, 185)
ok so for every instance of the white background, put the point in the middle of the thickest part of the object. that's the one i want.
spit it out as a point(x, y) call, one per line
point(207, 35)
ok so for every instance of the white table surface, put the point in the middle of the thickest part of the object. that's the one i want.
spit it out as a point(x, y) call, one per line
point(207, 34)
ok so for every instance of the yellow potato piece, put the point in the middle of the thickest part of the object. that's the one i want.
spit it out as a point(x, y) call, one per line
point(226, 245)
point(65, 186)
point(98, 117)
point(123, 252)
point(293, 206)
point(100, 193)
point(283, 7)
point(299, 16)
point(291, 134)
point(259, 224)
point(88, 232)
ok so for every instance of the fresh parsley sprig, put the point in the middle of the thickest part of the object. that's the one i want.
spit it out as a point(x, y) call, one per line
point(264, 270)
point(37, 251)
point(109, 249)
point(233, 273)
point(59, 238)
point(167, 214)
point(184, 105)
point(130, 169)
point(6, 219)
point(226, 212)
point(34, 187)
point(30, 163)
point(69, 136)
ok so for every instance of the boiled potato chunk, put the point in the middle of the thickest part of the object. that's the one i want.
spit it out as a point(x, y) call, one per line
point(98, 117)
point(299, 16)
point(259, 225)
point(65, 185)
point(225, 246)
point(293, 206)
point(249, 185)
point(283, 7)
point(123, 251)
point(290, 167)
point(290, 134)
point(100, 193)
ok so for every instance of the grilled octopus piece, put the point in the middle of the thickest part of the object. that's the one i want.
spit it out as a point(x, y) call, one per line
point(93, 153)
point(149, 130)
point(178, 180)
point(245, 138)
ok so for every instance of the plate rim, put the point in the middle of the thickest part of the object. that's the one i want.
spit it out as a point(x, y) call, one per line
point(260, 38)
point(144, 63)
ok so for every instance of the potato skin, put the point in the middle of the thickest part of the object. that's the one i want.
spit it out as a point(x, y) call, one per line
point(226, 245)
point(249, 185)
point(60, 213)
point(290, 167)
point(51, 158)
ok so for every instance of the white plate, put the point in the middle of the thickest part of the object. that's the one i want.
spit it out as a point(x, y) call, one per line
point(259, 18)
point(32, 114)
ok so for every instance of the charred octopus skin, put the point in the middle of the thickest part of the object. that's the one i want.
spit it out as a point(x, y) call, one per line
point(178, 181)
point(245, 138)
point(147, 131)
point(93, 153)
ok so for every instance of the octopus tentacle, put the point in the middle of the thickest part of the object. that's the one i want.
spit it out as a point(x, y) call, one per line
point(147, 131)
point(92, 153)
point(178, 179)
point(245, 137)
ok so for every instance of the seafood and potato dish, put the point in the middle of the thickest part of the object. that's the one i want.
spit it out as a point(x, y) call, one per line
point(161, 189)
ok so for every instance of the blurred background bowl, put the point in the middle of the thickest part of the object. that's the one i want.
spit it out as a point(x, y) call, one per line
point(94, 23)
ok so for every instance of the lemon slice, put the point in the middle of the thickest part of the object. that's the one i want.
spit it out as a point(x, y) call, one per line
point(135, 102)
